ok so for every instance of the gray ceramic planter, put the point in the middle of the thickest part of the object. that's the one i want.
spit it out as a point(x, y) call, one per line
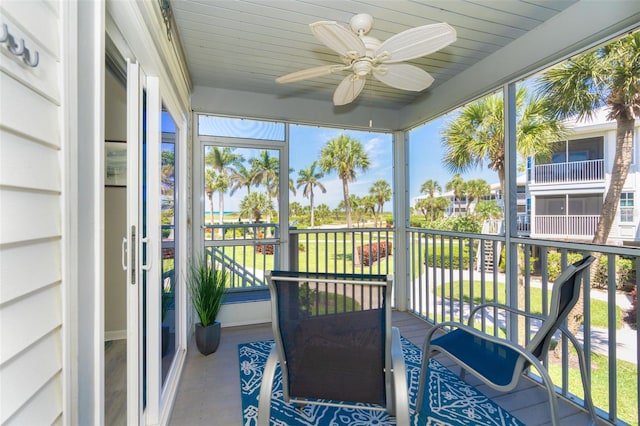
point(208, 338)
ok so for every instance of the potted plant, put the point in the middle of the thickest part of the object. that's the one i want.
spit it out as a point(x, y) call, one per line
point(207, 287)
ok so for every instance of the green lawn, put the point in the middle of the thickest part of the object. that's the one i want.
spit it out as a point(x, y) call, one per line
point(627, 385)
point(330, 254)
point(599, 316)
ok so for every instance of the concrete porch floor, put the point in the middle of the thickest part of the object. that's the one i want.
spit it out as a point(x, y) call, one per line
point(209, 389)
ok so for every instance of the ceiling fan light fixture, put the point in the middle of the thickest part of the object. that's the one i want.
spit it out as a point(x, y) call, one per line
point(361, 23)
point(361, 68)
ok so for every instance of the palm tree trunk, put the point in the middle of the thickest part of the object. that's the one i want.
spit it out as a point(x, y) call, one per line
point(221, 207)
point(621, 166)
point(210, 196)
point(311, 206)
point(347, 205)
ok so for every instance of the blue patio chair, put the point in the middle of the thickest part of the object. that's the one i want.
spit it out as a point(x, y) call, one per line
point(499, 362)
point(335, 344)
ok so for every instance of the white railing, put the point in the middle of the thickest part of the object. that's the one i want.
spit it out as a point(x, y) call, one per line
point(575, 171)
point(565, 225)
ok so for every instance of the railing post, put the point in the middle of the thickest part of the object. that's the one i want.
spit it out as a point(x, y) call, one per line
point(293, 250)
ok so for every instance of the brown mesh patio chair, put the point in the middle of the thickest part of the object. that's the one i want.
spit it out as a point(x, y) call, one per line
point(499, 362)
point(335, 344)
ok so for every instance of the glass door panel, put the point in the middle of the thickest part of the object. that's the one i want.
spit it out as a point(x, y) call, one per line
point(169, 295)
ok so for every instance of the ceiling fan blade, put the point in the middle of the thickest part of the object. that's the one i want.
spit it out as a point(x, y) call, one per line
point(417, 42)
point(403, 76)
point(348, 89)
point(310, 73)
point(338, 38)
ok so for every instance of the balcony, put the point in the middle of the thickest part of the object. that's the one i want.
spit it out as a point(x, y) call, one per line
point(575, 171)
point(565, 226)
point(447, 274)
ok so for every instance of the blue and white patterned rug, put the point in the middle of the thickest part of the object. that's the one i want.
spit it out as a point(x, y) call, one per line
point(450, 400)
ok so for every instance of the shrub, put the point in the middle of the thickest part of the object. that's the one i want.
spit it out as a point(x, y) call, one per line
point(429, 260)
point(503, 262)
point(418, 222)
point(554, 267)
point(625, 274)
point(456, 224)
point(370, 253)
point(265, 248)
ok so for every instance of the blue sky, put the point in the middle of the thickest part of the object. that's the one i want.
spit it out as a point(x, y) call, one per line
point(426, 154)
point(307, 143)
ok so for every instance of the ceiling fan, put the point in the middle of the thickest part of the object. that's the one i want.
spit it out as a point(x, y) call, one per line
point(364, 55)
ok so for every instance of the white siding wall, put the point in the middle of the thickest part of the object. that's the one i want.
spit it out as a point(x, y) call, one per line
point(31, 194)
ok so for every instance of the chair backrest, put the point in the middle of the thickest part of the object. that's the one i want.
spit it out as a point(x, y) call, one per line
point(564, 295)
point(333, 334)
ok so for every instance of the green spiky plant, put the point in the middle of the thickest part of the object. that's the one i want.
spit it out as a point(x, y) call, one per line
point(207, 287)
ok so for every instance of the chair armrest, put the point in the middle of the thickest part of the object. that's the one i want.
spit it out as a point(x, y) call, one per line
point(503, 307)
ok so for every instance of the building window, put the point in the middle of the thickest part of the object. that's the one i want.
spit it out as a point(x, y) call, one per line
point(626, 207)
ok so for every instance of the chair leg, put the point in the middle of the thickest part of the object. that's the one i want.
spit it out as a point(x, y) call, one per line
point(551, 391)
point(424, 372)
point(264, 401)
point(400, 392)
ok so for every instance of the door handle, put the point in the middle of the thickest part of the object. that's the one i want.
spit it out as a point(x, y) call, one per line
point(147, 242)
point(124, 253)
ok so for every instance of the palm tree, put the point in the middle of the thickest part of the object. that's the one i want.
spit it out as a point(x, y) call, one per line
point(254, 205)
point(604, 77)
point(242, 177)
point(344, 155)
point(487, 210)
point(209, 181)
point(476, 189)
point(221, 160)
point(457, 185)
point(322, 212)
point(369, 203)
point(381, 191)
point(430, 187)
point(308, 179)
point(476, 135)
point(267, 170)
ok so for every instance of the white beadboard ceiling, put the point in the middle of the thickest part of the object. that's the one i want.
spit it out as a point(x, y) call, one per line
point(245, 44)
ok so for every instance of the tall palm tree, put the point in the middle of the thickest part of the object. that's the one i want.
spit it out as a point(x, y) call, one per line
point(381, 190)
point(457, 185)
point(209, 182)
point(344, 155)
point(241, 177)
point(222, 161)
point(309, 179)
point(476, 189)
point(607, 77)
point(430, 187)
point(267, 168)
point(476, 135)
